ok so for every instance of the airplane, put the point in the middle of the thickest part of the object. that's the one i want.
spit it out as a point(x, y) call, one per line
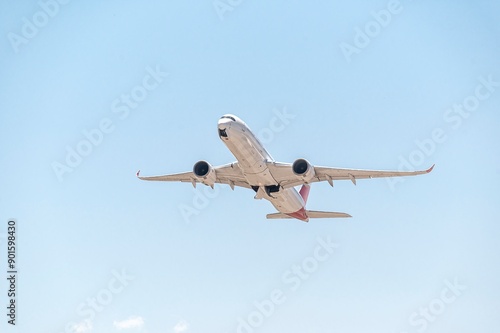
point(271, 180)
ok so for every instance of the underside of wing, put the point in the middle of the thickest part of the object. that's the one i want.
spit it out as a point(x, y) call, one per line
point(229, 174)
point(180, 177)
point(326, 173)
point(289, 175)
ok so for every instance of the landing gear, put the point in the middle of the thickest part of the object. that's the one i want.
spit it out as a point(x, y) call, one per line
point(267, 190)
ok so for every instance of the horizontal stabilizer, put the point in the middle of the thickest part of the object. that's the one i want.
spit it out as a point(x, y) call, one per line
point(278, 216)
point(313, 214)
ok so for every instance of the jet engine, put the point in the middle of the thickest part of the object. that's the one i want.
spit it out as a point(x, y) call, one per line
point(205, 173)
point(303, 170)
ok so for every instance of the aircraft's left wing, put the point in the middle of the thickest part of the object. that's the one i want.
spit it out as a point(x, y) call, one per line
point(284, 175)
point(229, 174)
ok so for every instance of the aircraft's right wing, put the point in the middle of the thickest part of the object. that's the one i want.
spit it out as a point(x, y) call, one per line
point(229, 174)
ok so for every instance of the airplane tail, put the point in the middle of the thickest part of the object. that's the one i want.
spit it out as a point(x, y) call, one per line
point(304, 214)
point(304, 192)
point(313, 214)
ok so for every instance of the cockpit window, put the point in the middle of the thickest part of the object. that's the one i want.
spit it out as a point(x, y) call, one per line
point(222, 133)
point(228, 117)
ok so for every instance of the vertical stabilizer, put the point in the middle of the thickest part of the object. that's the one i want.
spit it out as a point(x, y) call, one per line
point(304, 192)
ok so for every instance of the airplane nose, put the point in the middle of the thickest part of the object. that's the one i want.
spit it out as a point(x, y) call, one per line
point(224, 123)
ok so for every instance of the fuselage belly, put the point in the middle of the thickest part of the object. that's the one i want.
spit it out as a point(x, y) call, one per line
point(253, 159)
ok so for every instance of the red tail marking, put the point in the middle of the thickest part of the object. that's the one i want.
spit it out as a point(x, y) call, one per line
point(304, 192)
point(300, 214)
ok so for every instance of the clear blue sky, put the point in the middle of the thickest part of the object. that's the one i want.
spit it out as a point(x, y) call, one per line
point(100, 251)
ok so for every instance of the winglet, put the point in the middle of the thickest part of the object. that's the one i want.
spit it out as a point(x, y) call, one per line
point(430, 169)
point(138, 172)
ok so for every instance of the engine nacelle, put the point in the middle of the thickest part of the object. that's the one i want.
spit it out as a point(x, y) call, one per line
point(205, 173)
point(303, 170)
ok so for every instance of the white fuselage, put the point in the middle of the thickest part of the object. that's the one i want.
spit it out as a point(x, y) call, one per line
point(253, 161)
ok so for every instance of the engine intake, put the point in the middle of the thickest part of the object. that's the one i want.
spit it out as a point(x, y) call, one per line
point(303, 170)
point(205, 173)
